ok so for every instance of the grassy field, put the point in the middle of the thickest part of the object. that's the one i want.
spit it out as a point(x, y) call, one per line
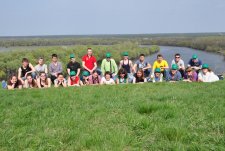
point(164, 116)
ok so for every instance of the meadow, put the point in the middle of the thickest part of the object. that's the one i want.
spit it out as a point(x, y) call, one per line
point(160, 116)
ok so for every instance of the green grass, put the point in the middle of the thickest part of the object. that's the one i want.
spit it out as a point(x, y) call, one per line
point(164, 116)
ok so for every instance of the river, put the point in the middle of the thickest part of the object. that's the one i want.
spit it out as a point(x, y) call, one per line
point(216, 61)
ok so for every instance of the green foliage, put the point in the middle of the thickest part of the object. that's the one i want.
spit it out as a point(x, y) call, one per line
point(12, 60)
point(159, 116)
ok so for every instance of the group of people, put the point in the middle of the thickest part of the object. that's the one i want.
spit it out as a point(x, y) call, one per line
point(43, 76)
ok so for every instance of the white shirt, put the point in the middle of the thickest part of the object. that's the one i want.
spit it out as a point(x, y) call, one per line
point(208, 77)
point(104, 81)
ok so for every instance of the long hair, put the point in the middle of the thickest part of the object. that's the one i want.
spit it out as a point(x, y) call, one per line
point(122, 71)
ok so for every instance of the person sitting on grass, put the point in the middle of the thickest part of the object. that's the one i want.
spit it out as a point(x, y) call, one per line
point(73, 65)
point(160, 63)
point(190, 75)
point(60, 81)
point(14, 83)
point(158, 76)
point(25, 69)
point(195, 63)
point(73, 79)
point(173, 75)
point(122, 77)
point(94, 79)
point(107, 79)
point(206, 74)
point(30, 82)
point(142, 64)
point(85, 78)
point(109, 64)
point(55, 67)
point(89, 62)
point(127, 64)
point(41, 67)
point(180, 63)
point(43, 81)
point(139, 78)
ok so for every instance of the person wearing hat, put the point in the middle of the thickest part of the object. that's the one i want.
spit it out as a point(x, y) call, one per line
point(195, 63)
point(85, 78)
point(142, 64)
point(179, 62)
point(73, 79)
point(158, 76)
point(173, 75)
point(190, 75)
point(160, 63)
point(89, 62)
point(73, 65)
point(109, 64)
point(127, 65)
point(206, 74)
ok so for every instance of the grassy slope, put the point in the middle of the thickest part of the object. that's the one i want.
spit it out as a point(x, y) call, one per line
point(164, 116)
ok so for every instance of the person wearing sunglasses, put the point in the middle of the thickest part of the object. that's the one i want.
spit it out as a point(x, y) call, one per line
point(179, 62)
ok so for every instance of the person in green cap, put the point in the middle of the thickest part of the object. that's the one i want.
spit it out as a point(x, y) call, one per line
point(206, 74)
point(85, 78)
point(173, 75)
point(73, 79)
point(158, 76)
point(73, 65)
point(127, 65)
point(109, 64)
point(195, 63)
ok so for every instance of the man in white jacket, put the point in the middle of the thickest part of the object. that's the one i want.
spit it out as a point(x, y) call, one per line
point(206, 75)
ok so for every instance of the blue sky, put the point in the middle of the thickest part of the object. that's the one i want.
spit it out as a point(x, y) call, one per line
point(81, 17)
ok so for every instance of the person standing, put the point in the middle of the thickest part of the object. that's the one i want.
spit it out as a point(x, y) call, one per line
point(109, 64)
point(55, 67)
point(89, 62)
point(180, 63)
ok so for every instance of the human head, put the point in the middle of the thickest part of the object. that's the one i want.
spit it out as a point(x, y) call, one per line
point(25, 62)
point(40, 61)
point(29, 78)
point(205, 68)
point(195, 58)
point(72, 74)
point(188, 71)
point(107, 75)
point(60, 77)
point(174, 69)
point(157, 72)
point(95, 74)
point(89, 52)
point(142, 57)
point(125, 55)
point(140, 73)
point(54, 57)
point(177, 57)
point(85, 74)
point(43, 76)
point(72, 57)
point(108, 56)
point(159, 58)
point(122, 73)
point(13, 78)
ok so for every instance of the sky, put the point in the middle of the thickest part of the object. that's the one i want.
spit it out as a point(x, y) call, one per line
point(88, 17)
